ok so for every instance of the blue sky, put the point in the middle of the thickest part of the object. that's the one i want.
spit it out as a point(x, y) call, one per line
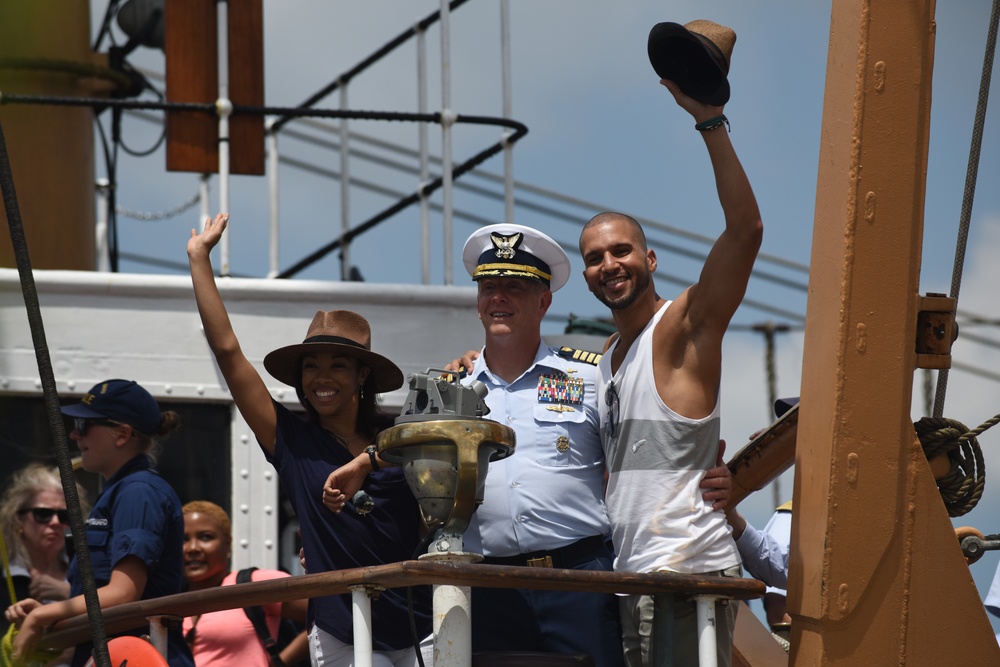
point(603, 133)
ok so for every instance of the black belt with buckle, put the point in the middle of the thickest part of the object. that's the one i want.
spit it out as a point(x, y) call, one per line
point(564, 557)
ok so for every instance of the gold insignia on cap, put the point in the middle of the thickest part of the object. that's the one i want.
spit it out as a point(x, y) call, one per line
point(506, 245)
point(562, 443)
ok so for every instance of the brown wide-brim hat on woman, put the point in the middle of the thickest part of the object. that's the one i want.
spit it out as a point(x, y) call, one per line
point(695, 56)
point(340, 333)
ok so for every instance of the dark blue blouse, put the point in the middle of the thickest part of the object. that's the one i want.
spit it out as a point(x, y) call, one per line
point(304, 455)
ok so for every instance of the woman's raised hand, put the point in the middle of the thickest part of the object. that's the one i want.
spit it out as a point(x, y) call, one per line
point(209, 237)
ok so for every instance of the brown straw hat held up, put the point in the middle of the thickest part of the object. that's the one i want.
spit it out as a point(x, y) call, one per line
point(695, 56)
point(340, 333)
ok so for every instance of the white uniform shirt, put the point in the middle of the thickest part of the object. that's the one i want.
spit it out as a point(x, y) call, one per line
point(779, 530)
point(764, 557)
point(993, 597)
point(550, 492)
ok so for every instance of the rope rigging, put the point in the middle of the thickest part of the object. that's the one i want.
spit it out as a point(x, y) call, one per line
point(962, 487)
point(51, 396)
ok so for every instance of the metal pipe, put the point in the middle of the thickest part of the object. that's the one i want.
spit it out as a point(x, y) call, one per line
point(508, 111)
point(425, 210)
point(362, 626)
point(206, 203)
point(158, 633)
point(708, 654)
point(272, 189)
point(447, 120)
point(452, 626)
point(103, 202)
point(345, 190)
point(225, 108)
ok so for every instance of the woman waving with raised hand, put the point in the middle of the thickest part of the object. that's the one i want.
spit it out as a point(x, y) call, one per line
point(337, 378)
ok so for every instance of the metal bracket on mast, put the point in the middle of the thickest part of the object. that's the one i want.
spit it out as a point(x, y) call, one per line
point(936, 331)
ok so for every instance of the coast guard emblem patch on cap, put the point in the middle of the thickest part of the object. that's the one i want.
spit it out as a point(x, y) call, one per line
point(506, 246)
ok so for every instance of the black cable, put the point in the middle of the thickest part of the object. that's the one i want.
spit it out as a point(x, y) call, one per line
point(105, 30)
point(56, 424)
point(116, 131)
point(417, 553)
point(109, 166)
point(148, 151)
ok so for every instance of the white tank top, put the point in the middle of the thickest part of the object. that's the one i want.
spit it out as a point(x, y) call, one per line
point(656, 458)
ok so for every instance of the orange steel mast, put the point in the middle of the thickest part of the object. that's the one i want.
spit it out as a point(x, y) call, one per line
point(877, 576)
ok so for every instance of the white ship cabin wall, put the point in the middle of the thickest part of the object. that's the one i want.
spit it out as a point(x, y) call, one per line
point(146, 328)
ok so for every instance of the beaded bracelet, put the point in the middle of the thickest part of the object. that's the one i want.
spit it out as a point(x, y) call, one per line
point(713, 124)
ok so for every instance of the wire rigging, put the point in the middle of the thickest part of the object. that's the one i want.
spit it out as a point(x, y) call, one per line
point(970, 184)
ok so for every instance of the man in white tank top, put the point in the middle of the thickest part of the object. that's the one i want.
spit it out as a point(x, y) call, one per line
point(658, 391)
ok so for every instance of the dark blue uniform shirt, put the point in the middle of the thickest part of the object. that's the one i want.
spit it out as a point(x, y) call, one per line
point(138, 514)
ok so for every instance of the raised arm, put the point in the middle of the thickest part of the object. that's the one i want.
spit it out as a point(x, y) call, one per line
point(248, 389)
point(724, 277)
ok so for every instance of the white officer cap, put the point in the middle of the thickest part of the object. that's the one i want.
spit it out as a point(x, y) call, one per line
point(515, 251)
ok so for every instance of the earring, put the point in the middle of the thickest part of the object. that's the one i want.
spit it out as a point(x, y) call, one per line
point(361, 390)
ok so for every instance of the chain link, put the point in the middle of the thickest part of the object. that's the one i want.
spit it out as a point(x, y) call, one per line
point(158, 215)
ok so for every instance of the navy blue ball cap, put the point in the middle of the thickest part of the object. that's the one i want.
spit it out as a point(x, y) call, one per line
point(515, 251)
point(121, 401)
point(695, 56)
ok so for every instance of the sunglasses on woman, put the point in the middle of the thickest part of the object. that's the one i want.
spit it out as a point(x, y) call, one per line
point(43, 515)
point(82, 424)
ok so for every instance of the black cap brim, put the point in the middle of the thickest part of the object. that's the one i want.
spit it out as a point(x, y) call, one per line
point(783, 405)
point(691, 61)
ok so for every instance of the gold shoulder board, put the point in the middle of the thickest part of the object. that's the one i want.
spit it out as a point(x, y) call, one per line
point(592, 358)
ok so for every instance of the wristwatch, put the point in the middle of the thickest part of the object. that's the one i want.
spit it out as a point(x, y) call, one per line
point(372, 457)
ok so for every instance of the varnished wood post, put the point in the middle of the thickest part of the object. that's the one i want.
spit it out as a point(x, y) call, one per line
point(191, 47)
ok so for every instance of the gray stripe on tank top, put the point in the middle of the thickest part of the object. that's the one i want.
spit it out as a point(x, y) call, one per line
point(648, 445)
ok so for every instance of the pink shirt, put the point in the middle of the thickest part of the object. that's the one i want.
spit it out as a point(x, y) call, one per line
point(227, 638)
